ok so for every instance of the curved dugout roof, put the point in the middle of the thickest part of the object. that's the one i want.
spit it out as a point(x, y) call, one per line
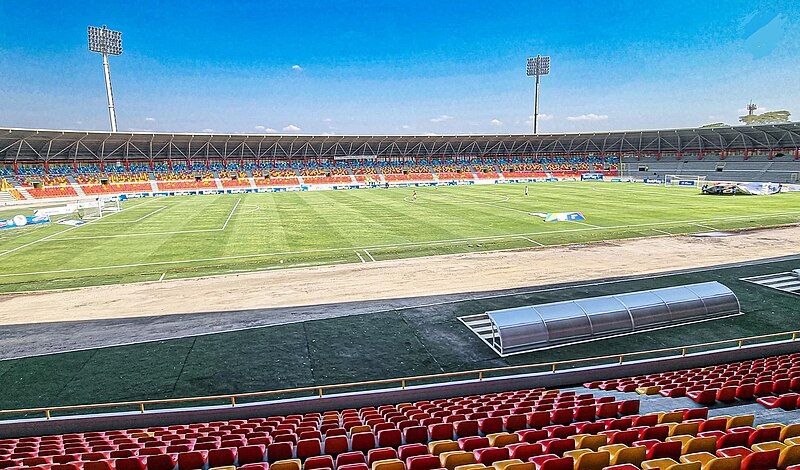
point(538, 326)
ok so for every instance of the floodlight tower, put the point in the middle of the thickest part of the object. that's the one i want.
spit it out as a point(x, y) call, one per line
point(751, 107)
point(106, 42)
point(536, 67)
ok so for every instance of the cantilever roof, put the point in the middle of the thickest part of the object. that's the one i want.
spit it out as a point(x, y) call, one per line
point(55, 145)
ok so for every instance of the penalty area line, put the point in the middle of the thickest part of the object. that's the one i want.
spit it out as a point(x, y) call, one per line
point(369, 254)
point(360, 257)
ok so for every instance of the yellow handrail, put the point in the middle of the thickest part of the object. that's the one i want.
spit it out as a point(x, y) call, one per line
point(403, 382)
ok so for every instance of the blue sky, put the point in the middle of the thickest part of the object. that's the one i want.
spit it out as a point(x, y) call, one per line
point(398, 67)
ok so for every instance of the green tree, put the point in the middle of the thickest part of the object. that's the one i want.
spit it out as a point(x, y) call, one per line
point(770, 117)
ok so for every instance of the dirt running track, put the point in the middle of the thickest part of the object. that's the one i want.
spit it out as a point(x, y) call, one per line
point(397, 279)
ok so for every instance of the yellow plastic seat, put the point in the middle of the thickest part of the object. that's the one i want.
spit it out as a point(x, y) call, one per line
point(789, 453)
point(792, 441)
point(693, 445)
point(652, 390)
point(504, 464)
point(472, 466)
point(445, 445)
point(790, 430)
point(502, 439)
point(388, 464)
point(689, 428)
point(709, 461)
point(590, 441)
point(621, 454)
point(741, 420)
point(669, 464)
point(362, 428)
point(452, 459)
point(521, 466)
point(289, 464)
point(670, 417)
point(589, 460)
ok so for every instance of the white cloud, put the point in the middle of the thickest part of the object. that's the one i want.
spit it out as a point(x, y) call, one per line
point(208, 131)
point(150, 119)
point(291, 128)
point(405, 126)
point(430, 133)
point(588, 117)
point(328, 133)
point(265, 129)
point(297, 68)
point(327, 120)
point(442, 118)
point(496, 122)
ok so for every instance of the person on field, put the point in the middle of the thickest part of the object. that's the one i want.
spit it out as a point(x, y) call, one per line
point(526, 190)
point(414, 196)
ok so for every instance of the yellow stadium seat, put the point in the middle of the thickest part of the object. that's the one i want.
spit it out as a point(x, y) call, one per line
point(709, 461)
point(504, 464)
point(362, 428)
point(790, 430)
point(288, 464)
point(452, 459)
point(684, 429)
point(590, 441)
point(472, 466)
point(692, 445)
point(388, 464)
point(670, 417)
point(521, 466)
point(621, 454)
point(792, 441)
point(437, 447)
point(669, 464)
point(652, 390)
point(502, 439)
point(741, 420)
point(589, 460)
point(789, 453)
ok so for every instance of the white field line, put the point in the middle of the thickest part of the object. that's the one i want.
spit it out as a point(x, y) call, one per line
point(703, 226)
point(162, 277)
point(663, 232)
point(584, 223)
point(225, 225)
point(145, 234)
point(133, 221)
point(369, 254)
point(48, 237)
point(333, 250)
point(360, 257)
point(532, 241)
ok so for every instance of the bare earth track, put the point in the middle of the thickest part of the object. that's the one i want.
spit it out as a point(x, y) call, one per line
point(397, 279)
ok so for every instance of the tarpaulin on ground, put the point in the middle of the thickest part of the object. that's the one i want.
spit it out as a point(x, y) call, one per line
point(21, 221)
point(564, 217)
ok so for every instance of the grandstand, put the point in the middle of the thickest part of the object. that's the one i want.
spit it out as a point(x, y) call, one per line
point(39, 164)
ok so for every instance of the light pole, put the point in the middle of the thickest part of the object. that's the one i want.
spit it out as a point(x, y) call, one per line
point(106, 42)
point(536, 67)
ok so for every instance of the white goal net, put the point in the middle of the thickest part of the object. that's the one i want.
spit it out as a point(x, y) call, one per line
point(92, 210)
point(684, 180)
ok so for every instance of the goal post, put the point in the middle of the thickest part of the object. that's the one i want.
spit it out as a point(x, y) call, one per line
point(684, 180)
point(97, 209)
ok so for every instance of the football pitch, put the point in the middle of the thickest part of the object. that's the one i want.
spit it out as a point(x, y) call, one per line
point(154, 239)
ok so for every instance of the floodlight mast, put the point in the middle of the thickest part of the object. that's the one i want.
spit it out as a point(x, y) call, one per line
point(106, 42)
point(536, 67)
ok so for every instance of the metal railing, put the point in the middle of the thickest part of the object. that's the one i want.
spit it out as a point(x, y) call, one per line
point(404, 382)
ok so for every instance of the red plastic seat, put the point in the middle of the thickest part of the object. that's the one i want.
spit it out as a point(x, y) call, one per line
point(490, 455)
point(219, 457)
point(279, 451)
point(468, 444)
point(319, 462)
point(524, 451)
point(490, 425)
point(193, 460)
point(353, 466)
point(390, 438)
point(305, 448)
point(118, 464)
point(532, 435)
point(131, 463)
point(159, 462)
point(753, 460)
point(515, 422)
point(704, 397)
point(423, 462)
point(441, 431)
point(251, 454)
point(335, 445)
point(350, 458)
point(415, 435)
point(362, 441)
point(787, 401)
point(411, 450)
point(552, 462)
point(382, 453)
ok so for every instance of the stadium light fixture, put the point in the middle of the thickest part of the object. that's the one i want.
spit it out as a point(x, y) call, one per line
point(106, 42)
point(536, 67)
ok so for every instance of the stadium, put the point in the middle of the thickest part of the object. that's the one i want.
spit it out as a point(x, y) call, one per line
point(622, 300)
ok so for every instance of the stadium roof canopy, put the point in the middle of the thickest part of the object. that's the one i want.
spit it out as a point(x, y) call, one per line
point(40, 145)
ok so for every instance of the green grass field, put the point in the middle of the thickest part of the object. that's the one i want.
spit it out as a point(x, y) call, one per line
point(167, 238)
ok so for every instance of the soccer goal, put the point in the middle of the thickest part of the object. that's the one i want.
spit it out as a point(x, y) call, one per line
point(684, 180)
point(92, 210)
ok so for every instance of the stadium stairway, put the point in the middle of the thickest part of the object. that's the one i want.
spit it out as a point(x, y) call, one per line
point(78, 189)
point(6, 198)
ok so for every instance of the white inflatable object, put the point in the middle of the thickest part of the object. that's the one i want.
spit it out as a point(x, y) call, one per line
point(20, 220)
